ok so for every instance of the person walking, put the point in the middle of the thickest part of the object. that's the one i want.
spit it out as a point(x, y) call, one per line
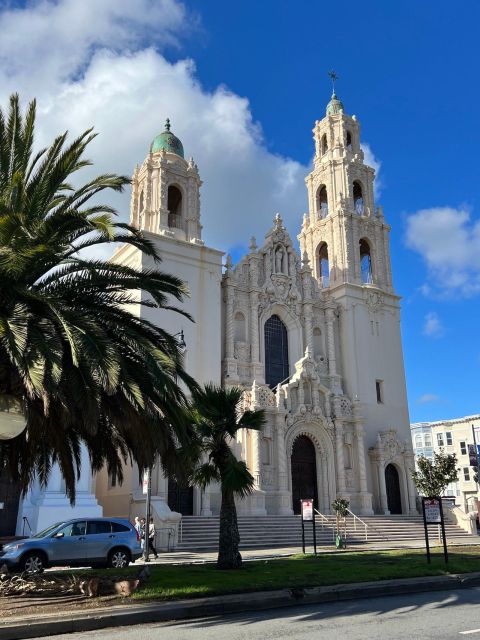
point(151, 538)
point(142, 533)
point(138, 528)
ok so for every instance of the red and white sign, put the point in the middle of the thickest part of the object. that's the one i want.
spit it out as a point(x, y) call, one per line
point(146, 477)
point(307, 510)
point(432, 511)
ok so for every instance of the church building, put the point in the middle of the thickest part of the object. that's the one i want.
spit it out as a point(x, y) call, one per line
point(312, 336)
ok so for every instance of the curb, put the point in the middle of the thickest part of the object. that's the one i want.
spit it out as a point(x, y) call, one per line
point(214, 606)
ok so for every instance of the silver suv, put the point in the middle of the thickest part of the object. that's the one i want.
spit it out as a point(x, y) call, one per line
point(111, 542)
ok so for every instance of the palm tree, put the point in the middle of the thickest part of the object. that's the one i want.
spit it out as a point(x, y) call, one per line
point(217, 419)
point(86, 370)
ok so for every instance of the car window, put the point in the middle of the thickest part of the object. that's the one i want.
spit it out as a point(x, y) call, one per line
point(47, 531)
point(119, 528)
point(74, 529)
point(98, 526)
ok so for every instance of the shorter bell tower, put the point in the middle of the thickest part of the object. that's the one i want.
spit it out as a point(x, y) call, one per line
point(166, 191)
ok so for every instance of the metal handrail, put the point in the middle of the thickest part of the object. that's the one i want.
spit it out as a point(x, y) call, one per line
point(180, 534)
point(325, 522)
point(355, 518)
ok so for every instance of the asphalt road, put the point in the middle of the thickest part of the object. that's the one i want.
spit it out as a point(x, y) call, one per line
point(439, 615)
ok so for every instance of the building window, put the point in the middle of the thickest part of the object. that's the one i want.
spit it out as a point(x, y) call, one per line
point(317, 344)
point(448, 436)
point(418, 440)
point(322, 202)
point(323, 265)
point(358, 198)
point(440, 439)
point(379, 389)
point(463, 448)
point(365, 262)
point(349, 141)
point(324, 144)
point(428, 439)
point(276, 351)
point(174, 206)
point(466, 474)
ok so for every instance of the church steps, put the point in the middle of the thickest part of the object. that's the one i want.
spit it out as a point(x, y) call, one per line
point(283, 531)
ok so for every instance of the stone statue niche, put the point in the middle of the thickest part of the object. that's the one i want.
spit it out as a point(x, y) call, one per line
point(281, 260)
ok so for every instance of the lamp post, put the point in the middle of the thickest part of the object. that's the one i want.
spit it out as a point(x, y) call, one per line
point(12, 417)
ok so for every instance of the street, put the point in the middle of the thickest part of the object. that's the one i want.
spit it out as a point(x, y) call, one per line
point(438, 615)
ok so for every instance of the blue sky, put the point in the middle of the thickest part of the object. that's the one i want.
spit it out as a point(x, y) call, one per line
point(243, 84)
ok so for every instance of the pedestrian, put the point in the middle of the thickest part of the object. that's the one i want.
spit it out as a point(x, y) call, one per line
point(142, 533)
point(151, 538)
point(138, 529)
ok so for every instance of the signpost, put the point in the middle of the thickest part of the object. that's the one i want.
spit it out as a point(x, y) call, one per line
point(308, 515)
point(432, 510)
point(147, 490)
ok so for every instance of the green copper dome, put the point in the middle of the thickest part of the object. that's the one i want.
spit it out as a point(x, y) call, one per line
point(166, 140)
point(334, 106)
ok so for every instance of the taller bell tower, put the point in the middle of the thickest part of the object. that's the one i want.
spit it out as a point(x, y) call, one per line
point(345, 237)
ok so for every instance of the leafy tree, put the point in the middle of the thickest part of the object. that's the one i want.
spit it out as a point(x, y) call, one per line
point(217, 418)
point(433, 477)
point(84, 367)
point(340, 507)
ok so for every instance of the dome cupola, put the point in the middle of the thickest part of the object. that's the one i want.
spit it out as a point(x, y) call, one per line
point(167, 141)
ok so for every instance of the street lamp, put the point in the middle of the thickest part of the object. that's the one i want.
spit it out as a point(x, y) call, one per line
point(12, 417)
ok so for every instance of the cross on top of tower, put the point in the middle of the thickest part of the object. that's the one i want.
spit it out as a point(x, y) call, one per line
point(334, 77)
point(167, 124)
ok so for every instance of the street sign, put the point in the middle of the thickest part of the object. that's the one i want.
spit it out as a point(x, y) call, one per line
point(146, 475)
point(432, 511)
point(307, 510)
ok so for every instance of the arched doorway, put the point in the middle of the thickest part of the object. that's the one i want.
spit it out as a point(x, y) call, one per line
point(392, 481)
point(180, 498)
point(304, 472)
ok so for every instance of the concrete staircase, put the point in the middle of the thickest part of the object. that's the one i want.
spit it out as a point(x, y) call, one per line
point(201, 534)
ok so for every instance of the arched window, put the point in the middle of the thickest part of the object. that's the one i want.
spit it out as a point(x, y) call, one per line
point(324, 144)
point(276, 351)
point(365, 262)
point(239, 325)
point(358, 198)
point(141, 203)
point(349, 141)
point(323, 266)
point(322, 201)
point(174, 205)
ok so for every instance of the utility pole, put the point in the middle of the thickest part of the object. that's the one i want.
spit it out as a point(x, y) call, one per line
point(477, 468)
point(147, 515)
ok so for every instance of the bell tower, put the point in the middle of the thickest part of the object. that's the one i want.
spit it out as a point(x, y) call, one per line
point(166, 191)
point(344, 235)
point(346, 240)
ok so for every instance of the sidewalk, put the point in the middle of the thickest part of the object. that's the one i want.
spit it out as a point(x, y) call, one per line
point(195, 557)
point(122, 615)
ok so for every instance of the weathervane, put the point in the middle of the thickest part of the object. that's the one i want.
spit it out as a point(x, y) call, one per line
point(332, 74)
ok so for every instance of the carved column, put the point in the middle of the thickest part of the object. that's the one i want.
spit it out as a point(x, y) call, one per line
point(325, 507)
point(332, 363)
point(341, 486)
point(382, 488)
point(229, 349)
point(412, 492)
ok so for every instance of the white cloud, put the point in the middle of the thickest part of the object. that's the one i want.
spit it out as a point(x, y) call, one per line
point(98, 62)
point(428, 397)
point(433, 327)
point(449, 242)
point(374, 162)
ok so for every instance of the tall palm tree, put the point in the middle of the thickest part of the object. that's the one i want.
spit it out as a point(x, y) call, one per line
point(217, 419)
point(84, 367)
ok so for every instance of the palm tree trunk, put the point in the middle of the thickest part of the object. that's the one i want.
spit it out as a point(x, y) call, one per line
point(228, 554)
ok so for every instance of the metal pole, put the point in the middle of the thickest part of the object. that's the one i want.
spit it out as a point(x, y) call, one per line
point(426, 531)
point(303, 535)
point(476, 458)
point(445, 552)
point(147, 516)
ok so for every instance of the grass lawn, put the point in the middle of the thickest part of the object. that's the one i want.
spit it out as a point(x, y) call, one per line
point(189, 581)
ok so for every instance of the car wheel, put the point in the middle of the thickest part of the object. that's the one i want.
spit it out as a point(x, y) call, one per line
point(118, 559)
point(33, 562)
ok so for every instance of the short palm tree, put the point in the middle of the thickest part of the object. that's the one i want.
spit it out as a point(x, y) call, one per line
point(217, 418)
point(87, 370)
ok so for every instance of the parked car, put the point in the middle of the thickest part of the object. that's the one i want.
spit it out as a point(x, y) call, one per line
point(111, 542)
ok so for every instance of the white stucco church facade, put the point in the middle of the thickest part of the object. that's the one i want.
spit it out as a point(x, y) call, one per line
point(312, 335)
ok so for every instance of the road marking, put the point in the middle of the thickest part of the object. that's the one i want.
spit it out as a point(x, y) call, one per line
point(466, 633)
